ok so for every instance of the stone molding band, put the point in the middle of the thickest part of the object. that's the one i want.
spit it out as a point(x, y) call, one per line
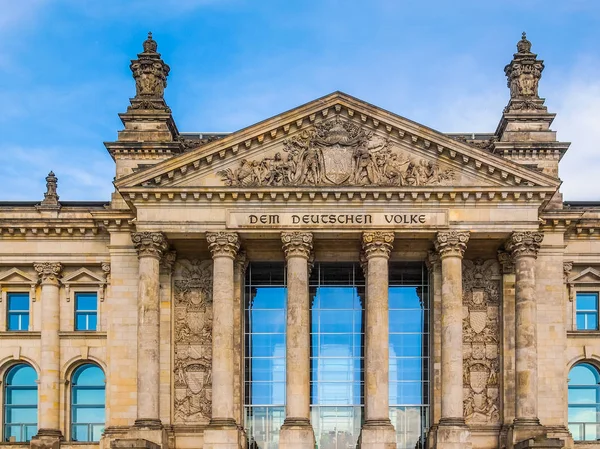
point(297, 244)
point(524, 244)
point(150, 244)
point(223, 244)
point(48, 272)
point(451, 243)
point(377, 244)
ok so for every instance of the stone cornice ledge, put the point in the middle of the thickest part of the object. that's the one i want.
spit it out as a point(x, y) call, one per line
point(20, 335)
point(82, 335)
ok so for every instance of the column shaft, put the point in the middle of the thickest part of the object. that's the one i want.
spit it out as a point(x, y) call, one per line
point(224, 247)
point(49, 385)
point(150, 247)
point(524, 247)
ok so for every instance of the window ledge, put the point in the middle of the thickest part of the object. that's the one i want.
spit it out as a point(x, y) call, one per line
point(94, 335)
point(20, 335)
point(583, 334)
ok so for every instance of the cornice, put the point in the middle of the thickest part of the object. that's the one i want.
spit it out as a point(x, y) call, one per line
point(574, 223)
point(437, 194)
point(337, 103)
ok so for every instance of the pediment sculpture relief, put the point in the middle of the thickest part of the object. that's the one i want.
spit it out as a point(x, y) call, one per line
point(192, 297)
point(339, 153)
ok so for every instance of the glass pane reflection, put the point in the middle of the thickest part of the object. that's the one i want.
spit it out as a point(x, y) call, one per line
point(584, 402)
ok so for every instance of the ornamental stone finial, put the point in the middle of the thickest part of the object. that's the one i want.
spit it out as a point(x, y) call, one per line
point(524, 244)
point(50, 200)
point(297, 244)
point(49, 272)
point(150, 73)
point(149, 244)
point(223, 244)
point(377, 244)
point(451, 243)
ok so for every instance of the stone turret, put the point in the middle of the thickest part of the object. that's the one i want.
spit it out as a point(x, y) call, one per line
point(150, 133)
point(523, 134)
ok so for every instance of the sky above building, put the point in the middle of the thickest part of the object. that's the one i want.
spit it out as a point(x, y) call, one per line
point(64, 73)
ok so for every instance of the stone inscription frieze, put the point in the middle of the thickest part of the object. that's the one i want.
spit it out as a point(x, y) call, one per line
point(339, 153)
point(192, 299)
point(481, 339)
point(404, 219)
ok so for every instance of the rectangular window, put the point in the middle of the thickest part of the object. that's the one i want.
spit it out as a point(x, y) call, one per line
point(587, 311)
point(18, 312)
point(86, 311)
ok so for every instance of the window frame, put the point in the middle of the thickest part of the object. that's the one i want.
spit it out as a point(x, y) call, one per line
point(596, 405)
point(577, 312)
point(5, 386)
point(7, 312)
point(76, 293)
point(73, 407)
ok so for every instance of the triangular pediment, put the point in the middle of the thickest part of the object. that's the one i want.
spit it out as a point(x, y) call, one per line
point(83, 276)
point(16, 276)
point(587, 276)
point(334, 142)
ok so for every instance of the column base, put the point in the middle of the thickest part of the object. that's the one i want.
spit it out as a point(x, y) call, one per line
point(541, 443)
point(524, 429)
point(377, 434)
point(144, 434)
point(452, 433)
point(296, 433)
point(133, 443)
point(222, 433)
point(46, 439)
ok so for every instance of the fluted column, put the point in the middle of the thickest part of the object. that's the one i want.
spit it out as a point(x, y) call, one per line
point(377, 431)
point(297, 431)
point(49, 274)
point(224, 247)
point(524, 247)
point(150, 247)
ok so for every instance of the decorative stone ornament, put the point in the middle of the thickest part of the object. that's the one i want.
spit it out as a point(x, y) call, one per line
point(150, 73)
point(506, 262)
point(223, 244)
point(337, 152)
point(451, 243)
point(522, 244)
point(377, 244)
point(523, 75)
point(50, 200)
point(149, 244)
point(297, 244)
point(49, 272)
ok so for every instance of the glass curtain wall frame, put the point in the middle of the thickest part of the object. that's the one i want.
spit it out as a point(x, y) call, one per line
point(265, 297)
point(409, 339)
point(337, 353)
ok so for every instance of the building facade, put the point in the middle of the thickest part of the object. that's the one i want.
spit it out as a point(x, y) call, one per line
point(336, 276)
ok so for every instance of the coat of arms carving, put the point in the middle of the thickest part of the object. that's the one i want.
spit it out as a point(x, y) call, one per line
point(337, 152)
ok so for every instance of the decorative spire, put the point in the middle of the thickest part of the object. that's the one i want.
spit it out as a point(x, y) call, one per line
point(50, 200)
point(150, 73)
point(523, 75)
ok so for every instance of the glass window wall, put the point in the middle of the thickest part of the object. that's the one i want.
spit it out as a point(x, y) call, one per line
point(20, 404)
point(584, 402)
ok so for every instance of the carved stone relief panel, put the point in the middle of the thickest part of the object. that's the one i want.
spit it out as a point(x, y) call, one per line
point(192, 299)
point(338, 152)
point(481, 340)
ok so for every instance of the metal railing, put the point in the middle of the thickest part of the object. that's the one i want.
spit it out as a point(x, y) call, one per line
point(583, 431)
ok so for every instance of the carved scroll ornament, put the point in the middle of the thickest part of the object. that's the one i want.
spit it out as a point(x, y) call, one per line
point(49, 272)
point(193, 341)
point(451, 243)
point(521, 244)
point(297, 244)
point(149, 244)
point(340, 153)
point(481, 339)
point(377, 244)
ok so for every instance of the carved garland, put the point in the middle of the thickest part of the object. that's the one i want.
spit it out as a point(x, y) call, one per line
point(481, 339)
point(193, 341)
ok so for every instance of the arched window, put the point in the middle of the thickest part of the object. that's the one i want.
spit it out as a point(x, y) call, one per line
point(87, 403)
point(20, 403)
point(584, 402)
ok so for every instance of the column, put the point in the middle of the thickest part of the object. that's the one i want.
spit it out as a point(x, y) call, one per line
point(223, 431)
point(377, 431)
point(49, 274)
point(297, 431)
point(150, 247)
point(524, 247)
point(452, 432)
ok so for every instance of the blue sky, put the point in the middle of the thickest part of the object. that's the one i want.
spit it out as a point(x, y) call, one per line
point(64, 72)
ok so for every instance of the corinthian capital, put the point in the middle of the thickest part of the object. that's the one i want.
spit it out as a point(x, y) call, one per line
point(522, 244)
point(149, 244)
point(223, 244)
point(451, 243)
point(48, 272)
point(377, 244)
point(297, 244)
